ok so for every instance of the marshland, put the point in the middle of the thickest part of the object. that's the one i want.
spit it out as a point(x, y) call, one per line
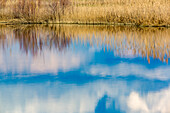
point(121, 12)
point(84, 56)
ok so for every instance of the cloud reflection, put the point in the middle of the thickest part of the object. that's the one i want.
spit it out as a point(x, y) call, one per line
point(63, 98)
point(46, 62)
point(127, 69)
point(154, 102)
point(52, 62)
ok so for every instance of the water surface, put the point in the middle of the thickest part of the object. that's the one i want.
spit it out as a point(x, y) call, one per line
point(84, 69)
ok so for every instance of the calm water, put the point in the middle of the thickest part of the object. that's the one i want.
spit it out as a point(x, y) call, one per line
point(84, 69)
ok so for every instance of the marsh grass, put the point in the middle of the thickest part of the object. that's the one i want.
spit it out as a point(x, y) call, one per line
point(138, 12)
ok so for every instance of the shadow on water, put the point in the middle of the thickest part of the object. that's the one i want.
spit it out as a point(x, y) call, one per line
point(101, 69)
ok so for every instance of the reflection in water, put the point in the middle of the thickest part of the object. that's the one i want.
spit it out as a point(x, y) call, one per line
point(84, 69)
point(99, 96)
point(123, 41)
point(33, 39)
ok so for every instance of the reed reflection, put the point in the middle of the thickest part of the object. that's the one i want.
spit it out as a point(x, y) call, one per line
point(33, 39)
point(123, 41)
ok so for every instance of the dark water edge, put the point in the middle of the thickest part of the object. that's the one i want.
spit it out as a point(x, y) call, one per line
point(81, 23)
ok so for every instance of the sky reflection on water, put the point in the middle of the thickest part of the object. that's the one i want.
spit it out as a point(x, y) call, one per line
point(84, 69)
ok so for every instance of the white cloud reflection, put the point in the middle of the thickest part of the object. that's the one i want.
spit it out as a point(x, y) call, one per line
point(64, 98)
point(48, 61)
point(154, 102)
point(52, 62)
point(126, 69)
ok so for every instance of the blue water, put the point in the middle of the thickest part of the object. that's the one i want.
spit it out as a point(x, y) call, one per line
point(44, 71)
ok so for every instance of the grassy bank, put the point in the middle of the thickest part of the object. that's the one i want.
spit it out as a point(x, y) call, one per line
point(128, 12)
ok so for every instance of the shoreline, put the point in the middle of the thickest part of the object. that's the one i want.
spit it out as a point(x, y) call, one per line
point(18, 22)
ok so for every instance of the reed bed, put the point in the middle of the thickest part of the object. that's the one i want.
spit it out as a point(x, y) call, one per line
point(133, 12)
point(147, 43)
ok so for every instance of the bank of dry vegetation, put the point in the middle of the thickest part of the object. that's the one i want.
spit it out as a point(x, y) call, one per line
point(138, 12)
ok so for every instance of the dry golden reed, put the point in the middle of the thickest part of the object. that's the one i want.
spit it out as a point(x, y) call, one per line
point(138, 12)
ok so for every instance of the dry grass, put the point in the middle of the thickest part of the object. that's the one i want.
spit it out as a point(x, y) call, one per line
point(138, 12)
